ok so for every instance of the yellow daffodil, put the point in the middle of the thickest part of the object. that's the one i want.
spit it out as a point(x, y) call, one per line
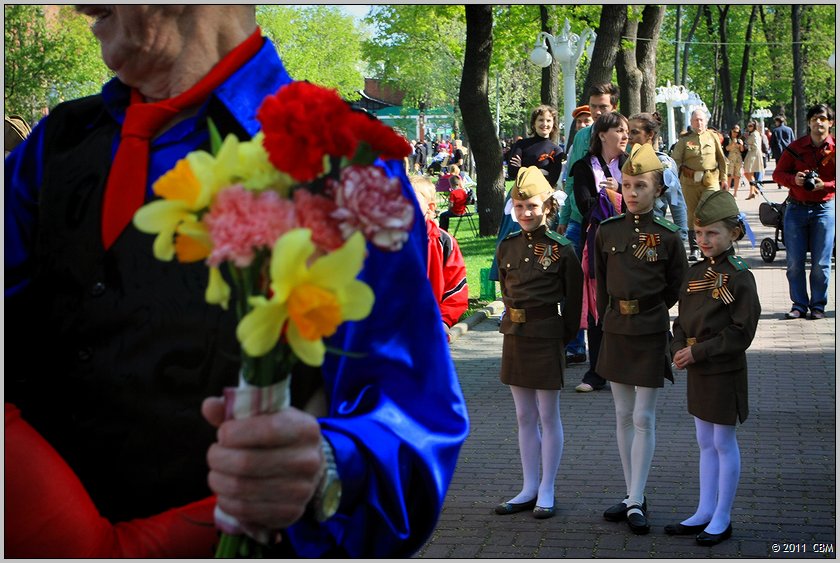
point(256, 172)
point(186, 191)
point(314, 300)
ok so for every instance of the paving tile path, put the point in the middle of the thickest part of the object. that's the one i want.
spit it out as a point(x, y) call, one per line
point(786, 501)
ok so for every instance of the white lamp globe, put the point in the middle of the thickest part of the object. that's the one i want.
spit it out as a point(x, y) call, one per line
point(540, 57)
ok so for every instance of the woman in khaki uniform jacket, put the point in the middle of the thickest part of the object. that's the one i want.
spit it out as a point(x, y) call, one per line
point(542, 287)
point(718, 315)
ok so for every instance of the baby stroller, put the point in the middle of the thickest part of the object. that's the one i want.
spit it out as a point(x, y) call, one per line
point(771, 215)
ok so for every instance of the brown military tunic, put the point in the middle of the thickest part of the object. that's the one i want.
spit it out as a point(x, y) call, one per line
point(702, 167)
point(719, 311)
point(639, 266)
point(540, 277)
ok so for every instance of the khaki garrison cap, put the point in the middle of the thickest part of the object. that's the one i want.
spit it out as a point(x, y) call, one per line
point(642, 159)
point(714, 206)
point(530, 181)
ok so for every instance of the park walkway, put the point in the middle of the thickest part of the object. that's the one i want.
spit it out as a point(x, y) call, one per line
point(786, 498)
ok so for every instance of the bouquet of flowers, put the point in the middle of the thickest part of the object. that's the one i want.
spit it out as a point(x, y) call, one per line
point(282, 222)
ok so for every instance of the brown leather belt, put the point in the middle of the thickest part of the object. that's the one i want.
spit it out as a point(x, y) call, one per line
point(532, 313)
point(634, 306)
point(686, 171)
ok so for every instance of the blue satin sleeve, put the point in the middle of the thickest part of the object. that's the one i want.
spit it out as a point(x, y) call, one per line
point(397, 416)
point(22, 181)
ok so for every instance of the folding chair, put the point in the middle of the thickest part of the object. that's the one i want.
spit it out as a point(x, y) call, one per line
point(470, 218)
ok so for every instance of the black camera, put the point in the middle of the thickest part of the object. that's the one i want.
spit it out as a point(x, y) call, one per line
point(810, 180)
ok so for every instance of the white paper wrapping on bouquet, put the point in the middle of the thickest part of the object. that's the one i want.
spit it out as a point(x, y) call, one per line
point(243, 402)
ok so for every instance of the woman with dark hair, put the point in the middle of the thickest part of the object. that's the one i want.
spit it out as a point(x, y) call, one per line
point(597, 185)
point(539, 149)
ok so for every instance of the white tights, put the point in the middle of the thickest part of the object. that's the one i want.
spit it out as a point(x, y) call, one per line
point(541, 406)
point(720, 469)
point(635, 417)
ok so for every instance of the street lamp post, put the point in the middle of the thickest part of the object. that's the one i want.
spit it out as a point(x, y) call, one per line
point(761, 114)
point(566, 49)
point(669, 95)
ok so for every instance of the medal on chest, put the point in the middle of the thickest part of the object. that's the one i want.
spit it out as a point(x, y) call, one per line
point(647, 247)
point(716, 283)
point(547, 253)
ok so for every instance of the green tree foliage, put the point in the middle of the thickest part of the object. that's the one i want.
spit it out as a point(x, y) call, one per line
point(317, 43)
point(48, 59)
point(418, 49)
point(768, 70)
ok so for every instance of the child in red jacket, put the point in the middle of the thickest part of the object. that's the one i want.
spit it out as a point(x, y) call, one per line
point(445, 267)
point(457, 201)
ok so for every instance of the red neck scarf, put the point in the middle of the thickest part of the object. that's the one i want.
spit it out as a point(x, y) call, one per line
point(125, 191)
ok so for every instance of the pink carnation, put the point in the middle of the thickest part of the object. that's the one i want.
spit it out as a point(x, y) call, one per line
point(314, 212)
point(371, 202)
point(242, 221)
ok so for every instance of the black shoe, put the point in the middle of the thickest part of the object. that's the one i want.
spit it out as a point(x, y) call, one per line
point(541, 512)
point(514, 507)
point(618, 512)
point(575, 359)
point(683, 530)
point(709, 540)
point(637, 519)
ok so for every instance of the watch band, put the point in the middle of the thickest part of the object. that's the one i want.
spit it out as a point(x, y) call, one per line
point(327, 498)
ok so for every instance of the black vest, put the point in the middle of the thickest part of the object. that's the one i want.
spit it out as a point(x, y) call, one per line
point(110, 354)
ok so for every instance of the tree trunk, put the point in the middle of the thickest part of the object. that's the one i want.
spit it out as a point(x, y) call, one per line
point(746, 59)
point(627, 71)
point(549, 85)
point(688, 39)
point(478, 121)
point(636, 68)
point(724, 75)
point(605, 51)
point(799, 123)
point(649, 31)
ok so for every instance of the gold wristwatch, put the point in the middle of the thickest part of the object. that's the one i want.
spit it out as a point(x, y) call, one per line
point(328, 494)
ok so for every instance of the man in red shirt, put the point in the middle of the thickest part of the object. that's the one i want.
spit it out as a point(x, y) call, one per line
point(807, 168)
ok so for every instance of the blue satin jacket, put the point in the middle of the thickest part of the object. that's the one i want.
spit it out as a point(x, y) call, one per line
point(397, 416)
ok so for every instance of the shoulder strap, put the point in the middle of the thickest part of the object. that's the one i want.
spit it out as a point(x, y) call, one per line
point(738, 263)
point(666, 223)
point(513, 234)
point(557, 237)
point(604, 167)
point(613, 218)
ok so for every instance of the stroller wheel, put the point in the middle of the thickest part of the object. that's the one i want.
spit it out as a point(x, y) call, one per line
point(768, 250)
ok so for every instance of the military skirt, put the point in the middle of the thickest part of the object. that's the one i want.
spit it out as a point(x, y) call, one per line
point(719, 398)
point(638, 359)
point(535, 363)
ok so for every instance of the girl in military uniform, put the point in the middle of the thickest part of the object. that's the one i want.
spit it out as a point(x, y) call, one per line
point(639, 266)
point(718, 315)
point(542, 286)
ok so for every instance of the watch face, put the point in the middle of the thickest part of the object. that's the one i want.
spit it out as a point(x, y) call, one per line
point(330, 499)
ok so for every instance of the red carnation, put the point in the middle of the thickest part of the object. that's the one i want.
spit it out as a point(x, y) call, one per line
point(299, 123)
point(383, 140)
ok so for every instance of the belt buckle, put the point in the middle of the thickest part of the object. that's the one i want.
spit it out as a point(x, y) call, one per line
point(690, 341)
point(517, 315)
point(630, 307)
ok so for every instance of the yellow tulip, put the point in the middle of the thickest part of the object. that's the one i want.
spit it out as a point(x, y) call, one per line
point(309, 301)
